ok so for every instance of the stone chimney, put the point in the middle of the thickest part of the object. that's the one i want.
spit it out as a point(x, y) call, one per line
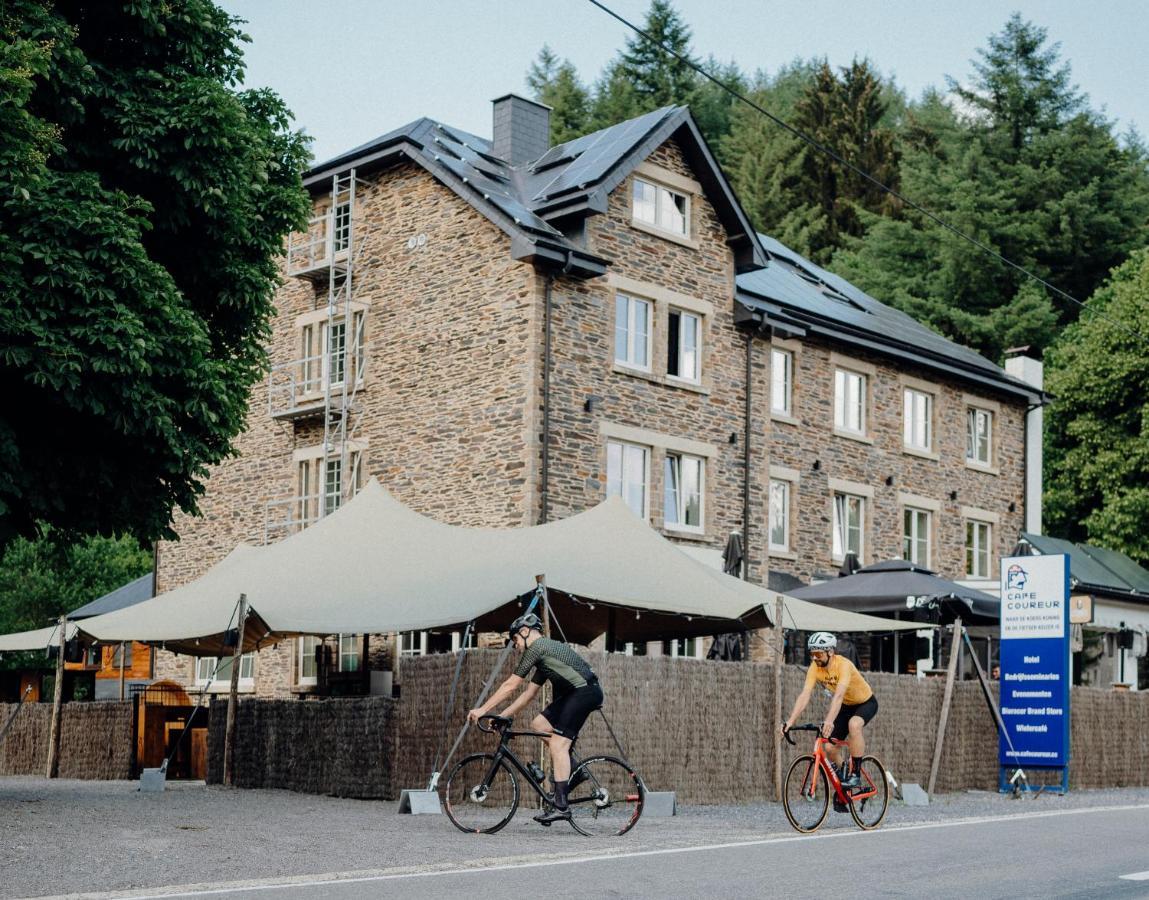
point(522, 129)
point(1026, 368)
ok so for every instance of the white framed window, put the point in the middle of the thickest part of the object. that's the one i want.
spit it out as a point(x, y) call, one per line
point(979, 436)
point(632, 318)
point(457, 640)
point(661, 207)
point(849, 525)
point(341, 226)
point(328, 355)
point(413, 643)
point(849, 401)
point(306, 665)
point(977, 548)
point(682, 493)
point(323, 486)
point(349, 656)
point(628, 475)
point(205, 665)
point(628, 648)
point(781, 381)
point(917, 420)
point(779, 514)
point(688, 648)
point(916, 535)
point(684, 346)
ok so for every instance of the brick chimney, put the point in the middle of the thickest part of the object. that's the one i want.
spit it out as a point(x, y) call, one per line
point(522, 129)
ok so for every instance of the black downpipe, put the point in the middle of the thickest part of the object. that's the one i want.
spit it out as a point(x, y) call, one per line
point(544, 496)
point(746, 464)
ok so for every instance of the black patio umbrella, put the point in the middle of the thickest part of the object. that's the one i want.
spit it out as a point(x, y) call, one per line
point(897, 586)
point(730, 646)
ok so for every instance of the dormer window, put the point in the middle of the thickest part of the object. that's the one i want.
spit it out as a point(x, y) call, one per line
point(661, 207)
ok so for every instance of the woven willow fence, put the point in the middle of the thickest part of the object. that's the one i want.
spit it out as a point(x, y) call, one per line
point(95, 740)
point(341, 747)
point(703, 729)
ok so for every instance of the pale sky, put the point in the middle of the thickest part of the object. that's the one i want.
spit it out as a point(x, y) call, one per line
point(355, 69)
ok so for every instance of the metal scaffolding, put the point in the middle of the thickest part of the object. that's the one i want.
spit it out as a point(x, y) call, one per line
point(325, 383)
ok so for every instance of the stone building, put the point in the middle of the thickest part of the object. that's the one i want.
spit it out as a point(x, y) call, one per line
point(503, 333)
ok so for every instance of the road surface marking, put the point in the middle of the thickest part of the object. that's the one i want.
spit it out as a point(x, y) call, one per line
point(332, 878)
point(1137, 876)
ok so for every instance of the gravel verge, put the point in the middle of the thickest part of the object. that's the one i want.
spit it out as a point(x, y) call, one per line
point(68, 837)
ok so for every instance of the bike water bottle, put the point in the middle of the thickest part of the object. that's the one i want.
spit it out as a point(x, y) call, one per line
point(536, 771)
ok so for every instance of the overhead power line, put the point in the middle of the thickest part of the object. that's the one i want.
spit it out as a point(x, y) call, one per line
point(822, 148)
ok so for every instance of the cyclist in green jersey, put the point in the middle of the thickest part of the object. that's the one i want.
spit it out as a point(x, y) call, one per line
point(577, 694)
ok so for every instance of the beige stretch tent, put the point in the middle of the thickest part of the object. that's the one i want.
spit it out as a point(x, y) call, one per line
point(37, 639)
point(377, 566)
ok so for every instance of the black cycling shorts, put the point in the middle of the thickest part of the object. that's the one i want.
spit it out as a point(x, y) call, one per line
point(568, 713)
point(866, 710)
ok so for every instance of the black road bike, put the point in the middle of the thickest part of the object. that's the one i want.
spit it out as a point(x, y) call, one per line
point(482, 792)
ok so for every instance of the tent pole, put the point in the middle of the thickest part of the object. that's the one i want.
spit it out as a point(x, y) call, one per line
point(232, 698)
point(541, 580)
point(121, 670)
point(955, 649)
point(57, 702)
point(779, 650)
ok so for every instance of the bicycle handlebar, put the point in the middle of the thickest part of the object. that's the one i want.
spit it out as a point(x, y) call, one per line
point(496, 723)
point(808, 727)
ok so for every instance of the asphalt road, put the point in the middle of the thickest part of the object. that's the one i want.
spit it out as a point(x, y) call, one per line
point(104, 840)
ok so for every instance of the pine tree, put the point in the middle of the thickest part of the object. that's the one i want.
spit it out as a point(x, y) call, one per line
point(556, 83)
point(1029, 171)
point(657, 77)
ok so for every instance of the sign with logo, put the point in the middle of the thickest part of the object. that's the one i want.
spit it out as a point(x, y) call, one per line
point(1035, 665)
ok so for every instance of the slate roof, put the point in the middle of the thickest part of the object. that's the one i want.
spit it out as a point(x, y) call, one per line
point(799, 296)
point(536, 203)
point(530, 202)
point(126, 595)
point(1096, 569)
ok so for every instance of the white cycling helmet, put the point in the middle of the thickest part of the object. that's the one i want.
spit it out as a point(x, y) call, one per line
point(821, 640)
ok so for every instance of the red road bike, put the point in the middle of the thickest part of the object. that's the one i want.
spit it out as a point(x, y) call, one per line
point(806, 793)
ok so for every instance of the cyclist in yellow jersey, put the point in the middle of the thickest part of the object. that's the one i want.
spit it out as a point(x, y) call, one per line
point(853, 703)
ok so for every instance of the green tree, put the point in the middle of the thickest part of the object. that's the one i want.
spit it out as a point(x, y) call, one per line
point(1097, 429)
point(41, 579)
point(796, 192)
point(556, 83)
point(1030, 172)
point(713, 107)
point(645, 77)
point(143, 203)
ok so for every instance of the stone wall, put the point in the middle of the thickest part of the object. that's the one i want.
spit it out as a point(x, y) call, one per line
point(450, 412)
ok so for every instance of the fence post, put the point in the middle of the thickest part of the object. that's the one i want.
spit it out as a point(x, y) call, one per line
point(955, 649)
point(779, 649)
point(57, 702)
point(232, 700)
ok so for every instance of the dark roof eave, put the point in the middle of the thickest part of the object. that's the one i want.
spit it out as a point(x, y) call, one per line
point(378, 155)
point(1113, 593)
point(554, 256)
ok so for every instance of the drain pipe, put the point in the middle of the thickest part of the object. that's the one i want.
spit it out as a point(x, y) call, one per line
point(545, 480)
point(544, 488)
point(746, 460)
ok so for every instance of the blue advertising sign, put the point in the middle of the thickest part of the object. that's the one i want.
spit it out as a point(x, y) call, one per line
point(1035, 663)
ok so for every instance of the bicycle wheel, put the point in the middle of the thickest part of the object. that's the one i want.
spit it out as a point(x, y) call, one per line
point(870, 800)
point(605, 796)
point(806, 794)
point(481, 796)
